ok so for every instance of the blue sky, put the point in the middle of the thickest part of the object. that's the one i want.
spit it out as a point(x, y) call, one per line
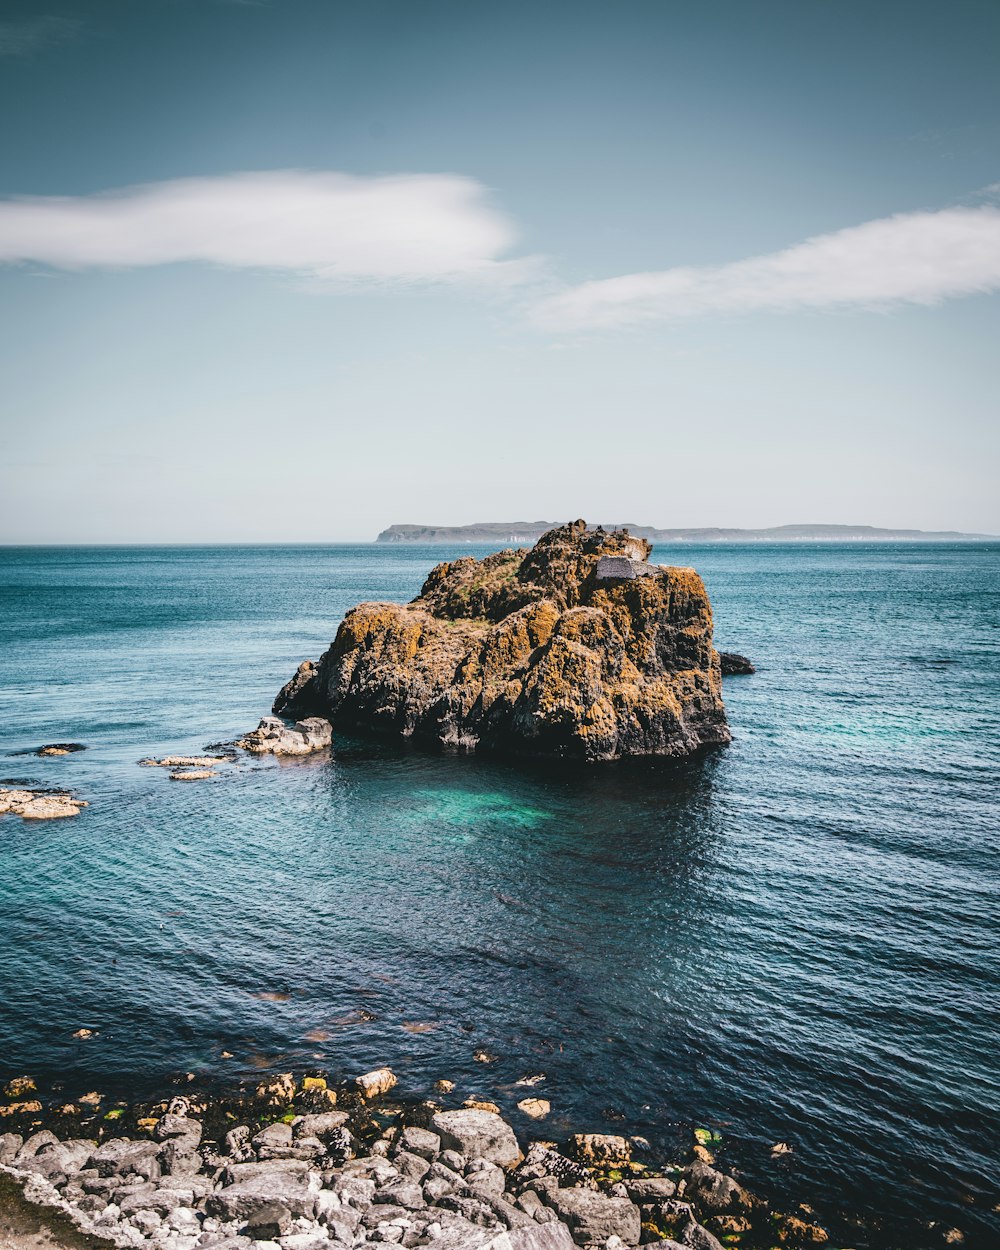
point(297, 270)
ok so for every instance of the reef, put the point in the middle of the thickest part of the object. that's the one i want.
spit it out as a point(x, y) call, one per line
point(577, 648)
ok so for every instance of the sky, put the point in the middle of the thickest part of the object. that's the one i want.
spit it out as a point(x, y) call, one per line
point(296, 270)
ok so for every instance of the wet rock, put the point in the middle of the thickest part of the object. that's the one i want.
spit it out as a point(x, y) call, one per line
point(60, 748)
point(193, 774)
point(713, 1191)
point(478, 1134)
point(535, 1108)
point(601, 1149)
point(273, 736)
point(372, 1084)
point(593, 1217)
point(650, 1189)
point(278, 1090)
point(20, 1087)
point(734, 665)
point(481, 1104)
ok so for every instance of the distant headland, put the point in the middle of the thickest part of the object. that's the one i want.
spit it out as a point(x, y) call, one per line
point(515, 532)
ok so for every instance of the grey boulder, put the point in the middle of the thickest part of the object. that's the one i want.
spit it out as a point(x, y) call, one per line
point(593, 1217)
point(478, 1135)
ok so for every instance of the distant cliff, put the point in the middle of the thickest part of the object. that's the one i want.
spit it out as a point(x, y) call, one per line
point(522, 532)
point(577, 648)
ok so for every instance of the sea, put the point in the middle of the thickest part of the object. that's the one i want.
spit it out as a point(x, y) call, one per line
point(794, 939)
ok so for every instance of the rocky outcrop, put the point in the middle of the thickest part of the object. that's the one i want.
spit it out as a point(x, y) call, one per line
point(578, 648)
point(274, 737)
point(39, 804)
point(734, 665)
point(197, 1173)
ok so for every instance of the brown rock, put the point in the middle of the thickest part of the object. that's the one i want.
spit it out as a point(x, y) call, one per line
point(576, 648)
point(536, 1108)
point(601, 1148)
point(380, 1081)
point(19, 1086)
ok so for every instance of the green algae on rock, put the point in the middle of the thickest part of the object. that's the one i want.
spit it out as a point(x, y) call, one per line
point(576, 648)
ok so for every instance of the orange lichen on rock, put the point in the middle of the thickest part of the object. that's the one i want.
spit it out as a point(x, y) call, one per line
point(577, 648)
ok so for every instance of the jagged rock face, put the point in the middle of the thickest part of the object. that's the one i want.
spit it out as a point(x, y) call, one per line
point(577, 648)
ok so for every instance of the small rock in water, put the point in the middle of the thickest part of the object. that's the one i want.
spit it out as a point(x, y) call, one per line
point(536, 1108)
point(481, 1104)
point(734, 665)
point(273, 736)
point(19, 1086)
point(193, 774)
point(379, 1081)
point(60, 748)
point(82, 1035)
point(187, 761)
point(39, 805)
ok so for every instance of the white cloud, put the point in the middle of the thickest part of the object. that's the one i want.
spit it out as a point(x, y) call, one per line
point(398, 228)
point(916, 258)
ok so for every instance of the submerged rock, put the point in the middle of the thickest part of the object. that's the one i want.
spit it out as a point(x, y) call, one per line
point(577, 648)
point(273, 736)
point(60, 748)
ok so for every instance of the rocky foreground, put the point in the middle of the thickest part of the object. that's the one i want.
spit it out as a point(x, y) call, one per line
point(578, 648)
point(297, 1166)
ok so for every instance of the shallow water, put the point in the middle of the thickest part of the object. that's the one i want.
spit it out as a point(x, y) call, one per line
point(795, 938)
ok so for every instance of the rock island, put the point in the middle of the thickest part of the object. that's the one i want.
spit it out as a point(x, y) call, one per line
point(576, 648)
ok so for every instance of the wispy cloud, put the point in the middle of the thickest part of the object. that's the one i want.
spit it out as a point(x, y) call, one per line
point(23, 38)
point(913, 258)
point(333, 226)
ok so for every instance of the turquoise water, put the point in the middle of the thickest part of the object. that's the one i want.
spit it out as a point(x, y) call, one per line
point(794, 938)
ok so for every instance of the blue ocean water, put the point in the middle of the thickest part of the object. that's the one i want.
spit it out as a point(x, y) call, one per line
point(793, 939)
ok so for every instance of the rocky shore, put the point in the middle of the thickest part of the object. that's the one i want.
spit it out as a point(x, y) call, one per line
point(299, 1165)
